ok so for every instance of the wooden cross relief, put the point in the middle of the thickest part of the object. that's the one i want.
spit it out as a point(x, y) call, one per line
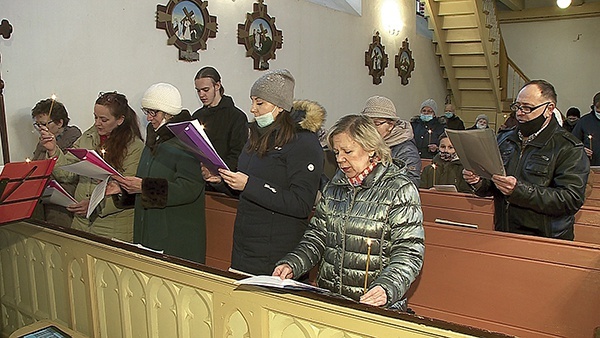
point(5, 30)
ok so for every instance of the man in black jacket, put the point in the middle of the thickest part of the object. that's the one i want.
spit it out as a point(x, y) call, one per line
point(546, 170)
point(224, 123)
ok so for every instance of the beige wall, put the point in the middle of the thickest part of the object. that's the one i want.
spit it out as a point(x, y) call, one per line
point(564, 52)
point(76, 49)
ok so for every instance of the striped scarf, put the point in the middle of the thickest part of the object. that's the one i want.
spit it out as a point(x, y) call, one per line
point(358, 179)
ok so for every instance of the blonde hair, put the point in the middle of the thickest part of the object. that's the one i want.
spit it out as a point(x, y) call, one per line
point(363, 131)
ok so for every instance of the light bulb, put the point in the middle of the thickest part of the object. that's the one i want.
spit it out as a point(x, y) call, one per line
point(563, 3)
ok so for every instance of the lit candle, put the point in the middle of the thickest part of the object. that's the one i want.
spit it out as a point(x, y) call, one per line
point(434, 166)
point(102, 152)
point(430, 131)
point(53, 97)
point(27, 159)
point(590, 137)
point(368, 260)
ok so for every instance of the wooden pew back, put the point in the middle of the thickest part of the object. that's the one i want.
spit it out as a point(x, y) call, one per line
point(471, 209)
point(521, 285)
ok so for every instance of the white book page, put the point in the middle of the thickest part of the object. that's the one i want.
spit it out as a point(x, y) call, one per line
point(97, 196)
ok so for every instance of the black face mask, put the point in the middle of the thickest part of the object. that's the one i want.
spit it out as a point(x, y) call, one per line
point(530, 127)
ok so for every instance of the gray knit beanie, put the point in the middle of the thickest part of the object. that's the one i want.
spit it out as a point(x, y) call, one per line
point(380, 107)
point(276, 87)
point(482, 116)
point(163, 97)
point(431, 104)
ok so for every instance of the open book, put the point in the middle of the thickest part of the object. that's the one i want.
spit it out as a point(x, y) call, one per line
point(478, 151)
point(276, 282)
point(56, 194)
point(90, 165)
point(192, 134)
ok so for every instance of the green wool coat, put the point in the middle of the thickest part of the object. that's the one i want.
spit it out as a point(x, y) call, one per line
point(169, 213)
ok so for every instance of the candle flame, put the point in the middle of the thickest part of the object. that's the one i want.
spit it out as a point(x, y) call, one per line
point(103, 151)
point(27, 159)
point(590, 136)
point(433, 165)
point(53, 97)
point(368, 241)
point(430, 131)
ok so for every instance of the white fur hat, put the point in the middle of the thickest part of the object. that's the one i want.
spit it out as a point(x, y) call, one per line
point(163, 97)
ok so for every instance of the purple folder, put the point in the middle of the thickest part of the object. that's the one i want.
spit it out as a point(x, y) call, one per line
point(192, 134)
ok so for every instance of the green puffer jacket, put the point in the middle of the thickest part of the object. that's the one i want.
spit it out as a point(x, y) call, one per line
point(386, 209)
point(107, 220)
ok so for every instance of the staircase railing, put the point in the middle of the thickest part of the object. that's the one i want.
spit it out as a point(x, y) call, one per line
point(490, 40)
point(511, 77)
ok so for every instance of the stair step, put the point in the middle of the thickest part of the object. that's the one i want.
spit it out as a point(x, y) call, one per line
point(470, 48)
point(462, 35)
point(478, 99)
point(459, 21)
point(471, 73)
point(456, 7)
point(465, 48)
point(474, 84)
point(468, 61)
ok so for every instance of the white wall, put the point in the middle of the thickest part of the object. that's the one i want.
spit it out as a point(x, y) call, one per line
point(76, 49)
point(564, 52)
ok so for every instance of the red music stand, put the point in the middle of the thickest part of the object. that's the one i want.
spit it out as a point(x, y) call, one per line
point(21, 186)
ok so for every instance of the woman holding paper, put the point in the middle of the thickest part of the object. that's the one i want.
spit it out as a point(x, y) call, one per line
point(168, 187)
point(367, 232)
point(116, 136)
point(278, 175)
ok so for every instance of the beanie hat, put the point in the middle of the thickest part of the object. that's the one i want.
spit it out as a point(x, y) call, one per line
point(380, 107)
point(574, 111)
point(431, 104)
point(163, 97)
point(276, 87)
point(482, 116)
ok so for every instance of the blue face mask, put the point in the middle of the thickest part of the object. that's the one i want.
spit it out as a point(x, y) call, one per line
point(266, 119)
point(426, 118)
point(449, 114)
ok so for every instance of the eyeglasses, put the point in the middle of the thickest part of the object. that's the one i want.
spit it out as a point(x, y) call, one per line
point(150, 112)
point(526, 110)
point(39, 125)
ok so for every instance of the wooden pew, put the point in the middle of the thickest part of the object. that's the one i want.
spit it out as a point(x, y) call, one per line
point(471, 209)
point(521, 285)
point(514, 284)
point(220, 217)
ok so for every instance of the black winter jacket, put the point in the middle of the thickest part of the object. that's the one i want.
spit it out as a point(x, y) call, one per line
point(551, 173)
point(227, 128)
point(279, 196)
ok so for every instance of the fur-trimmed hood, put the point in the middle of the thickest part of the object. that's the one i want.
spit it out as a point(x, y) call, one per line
point(310, 115)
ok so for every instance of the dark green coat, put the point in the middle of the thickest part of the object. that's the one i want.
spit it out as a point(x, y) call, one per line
point(169, 213)
point(445, 173)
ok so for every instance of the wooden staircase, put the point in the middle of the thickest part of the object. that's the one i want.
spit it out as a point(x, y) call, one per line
point(469, 45)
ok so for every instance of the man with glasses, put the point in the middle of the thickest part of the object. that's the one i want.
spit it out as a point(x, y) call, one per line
point(546, 170)
point(52, 116)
